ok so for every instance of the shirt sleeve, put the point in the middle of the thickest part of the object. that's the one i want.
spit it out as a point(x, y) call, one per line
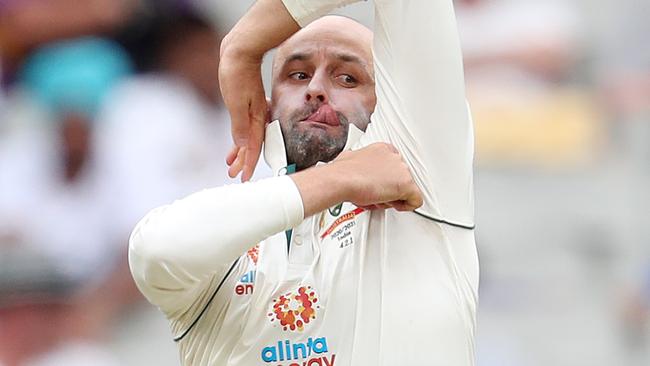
point(306, 11)
point(421, 105)
point(175, 248)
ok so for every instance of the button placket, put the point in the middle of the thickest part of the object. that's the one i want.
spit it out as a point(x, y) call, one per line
point(301, 252)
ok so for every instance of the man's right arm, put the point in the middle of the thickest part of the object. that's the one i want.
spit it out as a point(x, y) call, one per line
point(176, 248)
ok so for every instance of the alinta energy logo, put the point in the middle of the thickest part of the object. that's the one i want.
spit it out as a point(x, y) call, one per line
point(253, 253)
point(246, 283)
point(296, 309)
point(312, 352)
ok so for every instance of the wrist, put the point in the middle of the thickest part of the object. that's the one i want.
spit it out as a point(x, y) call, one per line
point(236, 48)
point(322, 187)
point(267, 24)
point(341, 180)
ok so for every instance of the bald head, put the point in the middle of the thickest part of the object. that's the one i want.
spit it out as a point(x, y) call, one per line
point(328, 30)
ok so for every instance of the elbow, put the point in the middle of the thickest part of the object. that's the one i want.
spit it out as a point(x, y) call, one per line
point(146, 249)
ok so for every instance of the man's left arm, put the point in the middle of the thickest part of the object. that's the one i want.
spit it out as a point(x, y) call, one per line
point(266, 24)
point(421, 106)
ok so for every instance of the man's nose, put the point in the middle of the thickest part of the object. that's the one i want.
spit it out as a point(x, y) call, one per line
point(317, 89)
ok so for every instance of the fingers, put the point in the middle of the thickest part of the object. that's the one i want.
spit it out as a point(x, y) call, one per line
point(254, 146)
point(232, 155)
point(377, 206)
point(237, 166)
point(241, 86)
point(401, 206)
point(413, 199)
point(392, 148)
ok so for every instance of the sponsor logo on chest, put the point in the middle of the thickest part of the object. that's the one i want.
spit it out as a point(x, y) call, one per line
point(246, 283)
point(312, 352)
point(294, 310)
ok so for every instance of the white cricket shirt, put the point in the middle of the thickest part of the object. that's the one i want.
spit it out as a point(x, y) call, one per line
point(347, 287)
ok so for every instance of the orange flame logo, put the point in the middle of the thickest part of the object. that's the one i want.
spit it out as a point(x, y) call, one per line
point(295, 310)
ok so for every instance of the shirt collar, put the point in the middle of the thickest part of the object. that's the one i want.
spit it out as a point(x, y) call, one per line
point(275, 153)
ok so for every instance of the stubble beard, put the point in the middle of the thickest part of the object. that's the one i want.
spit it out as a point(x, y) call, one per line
point(306, 146)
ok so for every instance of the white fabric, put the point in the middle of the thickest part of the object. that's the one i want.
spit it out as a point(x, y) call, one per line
point(375, 288)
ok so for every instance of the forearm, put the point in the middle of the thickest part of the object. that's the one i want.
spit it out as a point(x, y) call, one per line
point(322, 187)
point(263, 27)
point(177, 246)
point(276, 20)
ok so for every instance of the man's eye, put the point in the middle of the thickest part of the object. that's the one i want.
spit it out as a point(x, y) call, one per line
point(299, 75)
point(347, 80)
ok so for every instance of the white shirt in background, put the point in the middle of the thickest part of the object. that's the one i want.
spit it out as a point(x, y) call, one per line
point(38, 209)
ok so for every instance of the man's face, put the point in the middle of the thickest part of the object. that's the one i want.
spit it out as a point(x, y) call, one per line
point(322, 82)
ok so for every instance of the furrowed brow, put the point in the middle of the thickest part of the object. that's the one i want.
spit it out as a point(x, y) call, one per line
point(298, 56)
point(345, 57)
point(349, 58)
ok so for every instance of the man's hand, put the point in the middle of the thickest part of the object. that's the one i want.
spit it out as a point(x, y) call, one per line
point(373, 177)
point(264, 26)
point(240, 80)
point(379, 178)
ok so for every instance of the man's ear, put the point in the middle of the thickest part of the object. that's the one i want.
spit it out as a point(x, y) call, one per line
point(268, 110)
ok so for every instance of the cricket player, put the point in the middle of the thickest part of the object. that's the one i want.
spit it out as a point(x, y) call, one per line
point(361, 250)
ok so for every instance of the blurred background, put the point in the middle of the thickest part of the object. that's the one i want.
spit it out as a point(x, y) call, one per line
point(109, 108)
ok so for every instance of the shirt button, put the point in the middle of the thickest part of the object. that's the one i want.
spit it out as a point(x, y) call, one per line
point(297, 240)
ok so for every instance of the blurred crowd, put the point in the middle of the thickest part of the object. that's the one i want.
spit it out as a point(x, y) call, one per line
point(109, 108)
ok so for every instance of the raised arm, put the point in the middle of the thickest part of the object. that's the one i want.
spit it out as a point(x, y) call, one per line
point(266, 24)
point(263, 27)
point(177, 247)
point(421, 106)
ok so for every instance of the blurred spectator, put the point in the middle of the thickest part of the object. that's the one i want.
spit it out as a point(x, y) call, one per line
point(26, 24)
point(49, 188)
point(39, 312)
point(622, 57)
point(49, 197)
point(636, 320)
point(165, 134)
point(521, 41)
point(520, 58)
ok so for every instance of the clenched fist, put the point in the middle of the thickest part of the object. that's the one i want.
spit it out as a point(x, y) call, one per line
point(378, 177)
point(374, 177)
